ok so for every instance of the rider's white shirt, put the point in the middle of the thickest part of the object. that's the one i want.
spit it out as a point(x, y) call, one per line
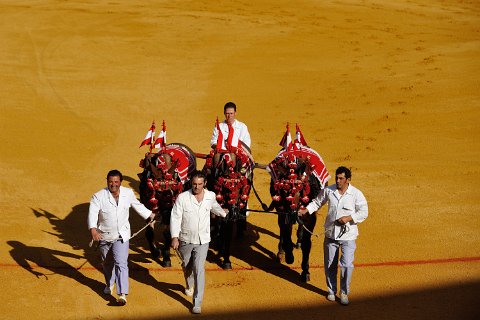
point(239, 128)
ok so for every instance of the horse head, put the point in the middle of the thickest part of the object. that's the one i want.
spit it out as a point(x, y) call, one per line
point(293, 179)
point(230, 176)
point(165, 175)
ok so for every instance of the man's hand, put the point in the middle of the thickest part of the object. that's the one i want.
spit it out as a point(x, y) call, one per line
point(344, 220)
point(302, 212)
point(175, 243)
point(96, 236)
point(152, 216)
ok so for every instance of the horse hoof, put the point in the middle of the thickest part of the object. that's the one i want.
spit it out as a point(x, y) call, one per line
point(226, 266)
point(155, 254)
point(289, 258)
point(305, 276)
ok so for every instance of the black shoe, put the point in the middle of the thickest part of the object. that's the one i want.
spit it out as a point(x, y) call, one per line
point(155, 253)
point(227, 265)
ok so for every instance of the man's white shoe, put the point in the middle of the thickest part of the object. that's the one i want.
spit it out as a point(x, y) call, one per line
point(197, 310)
point(189, 292)
point(331, 297)
point(343, 299)
point(122, 299)
point(108, 290)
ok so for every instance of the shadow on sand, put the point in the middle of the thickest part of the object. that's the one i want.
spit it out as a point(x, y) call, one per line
point(73, 231)
point(448, 302)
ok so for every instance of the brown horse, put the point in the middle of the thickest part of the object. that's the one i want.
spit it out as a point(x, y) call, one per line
point(230, 176)
point(165, 175)
point(297, 176)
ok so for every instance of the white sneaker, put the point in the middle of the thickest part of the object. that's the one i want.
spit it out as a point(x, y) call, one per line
point(122, 299)
point(108, 290)
point(343, 299)
point(331, 297)
point(197, 310)
point(189, 292)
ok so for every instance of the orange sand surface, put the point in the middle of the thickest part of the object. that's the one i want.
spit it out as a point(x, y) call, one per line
point(388, 88)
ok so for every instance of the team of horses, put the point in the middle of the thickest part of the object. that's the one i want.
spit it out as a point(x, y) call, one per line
point(297, 176)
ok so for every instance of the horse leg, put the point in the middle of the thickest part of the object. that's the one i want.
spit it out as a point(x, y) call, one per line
point(226, 235)
point(286, 239)
point(241, 226)
point(150, 235)
point(166, 248)
point(306, 244)
point(298, 245)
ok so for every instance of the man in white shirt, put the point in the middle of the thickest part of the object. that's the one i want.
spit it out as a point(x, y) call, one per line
point(240, 133)
point(240, 129)
point(190, 230)
point(108, 223)
point(347, 207)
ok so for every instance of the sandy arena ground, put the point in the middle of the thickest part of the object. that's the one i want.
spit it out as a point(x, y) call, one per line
point(389, 88)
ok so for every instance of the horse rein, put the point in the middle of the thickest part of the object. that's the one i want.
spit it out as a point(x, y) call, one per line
point(150, 223)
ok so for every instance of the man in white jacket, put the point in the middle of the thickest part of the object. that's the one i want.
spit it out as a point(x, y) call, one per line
point(347, 207)
point(108, 223)
point(190, 229)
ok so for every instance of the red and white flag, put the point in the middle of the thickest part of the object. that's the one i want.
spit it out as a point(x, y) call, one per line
point(149, 136)
point(286, 141)
point(161, 141)
point(232, 140)
point(299, 139)
point(220, 141)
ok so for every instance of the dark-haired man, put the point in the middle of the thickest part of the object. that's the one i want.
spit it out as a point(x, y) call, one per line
point(190, 230)
point(347, 207)
point(232, 129)
point(240, 129)
point(108, 223)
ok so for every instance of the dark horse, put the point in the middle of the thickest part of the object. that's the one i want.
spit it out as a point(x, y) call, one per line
point(296, 178)
point(165, 175)
point(230, 176)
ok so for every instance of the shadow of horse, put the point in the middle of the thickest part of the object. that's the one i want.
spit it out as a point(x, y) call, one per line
point(259, 257)
point(68, 232)
point(49, 259)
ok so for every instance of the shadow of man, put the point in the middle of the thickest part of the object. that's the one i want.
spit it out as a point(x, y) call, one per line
point(72, 230)
point(48, 259)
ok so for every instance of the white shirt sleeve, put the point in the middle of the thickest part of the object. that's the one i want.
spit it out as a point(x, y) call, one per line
point(213, 140)
point(176, 218)
point(318, 202)
point(93, 212)
point(138, 206)
point(361, 208)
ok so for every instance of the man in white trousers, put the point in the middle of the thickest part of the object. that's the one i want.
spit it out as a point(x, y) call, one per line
point(347, 207)
point(108, 223)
